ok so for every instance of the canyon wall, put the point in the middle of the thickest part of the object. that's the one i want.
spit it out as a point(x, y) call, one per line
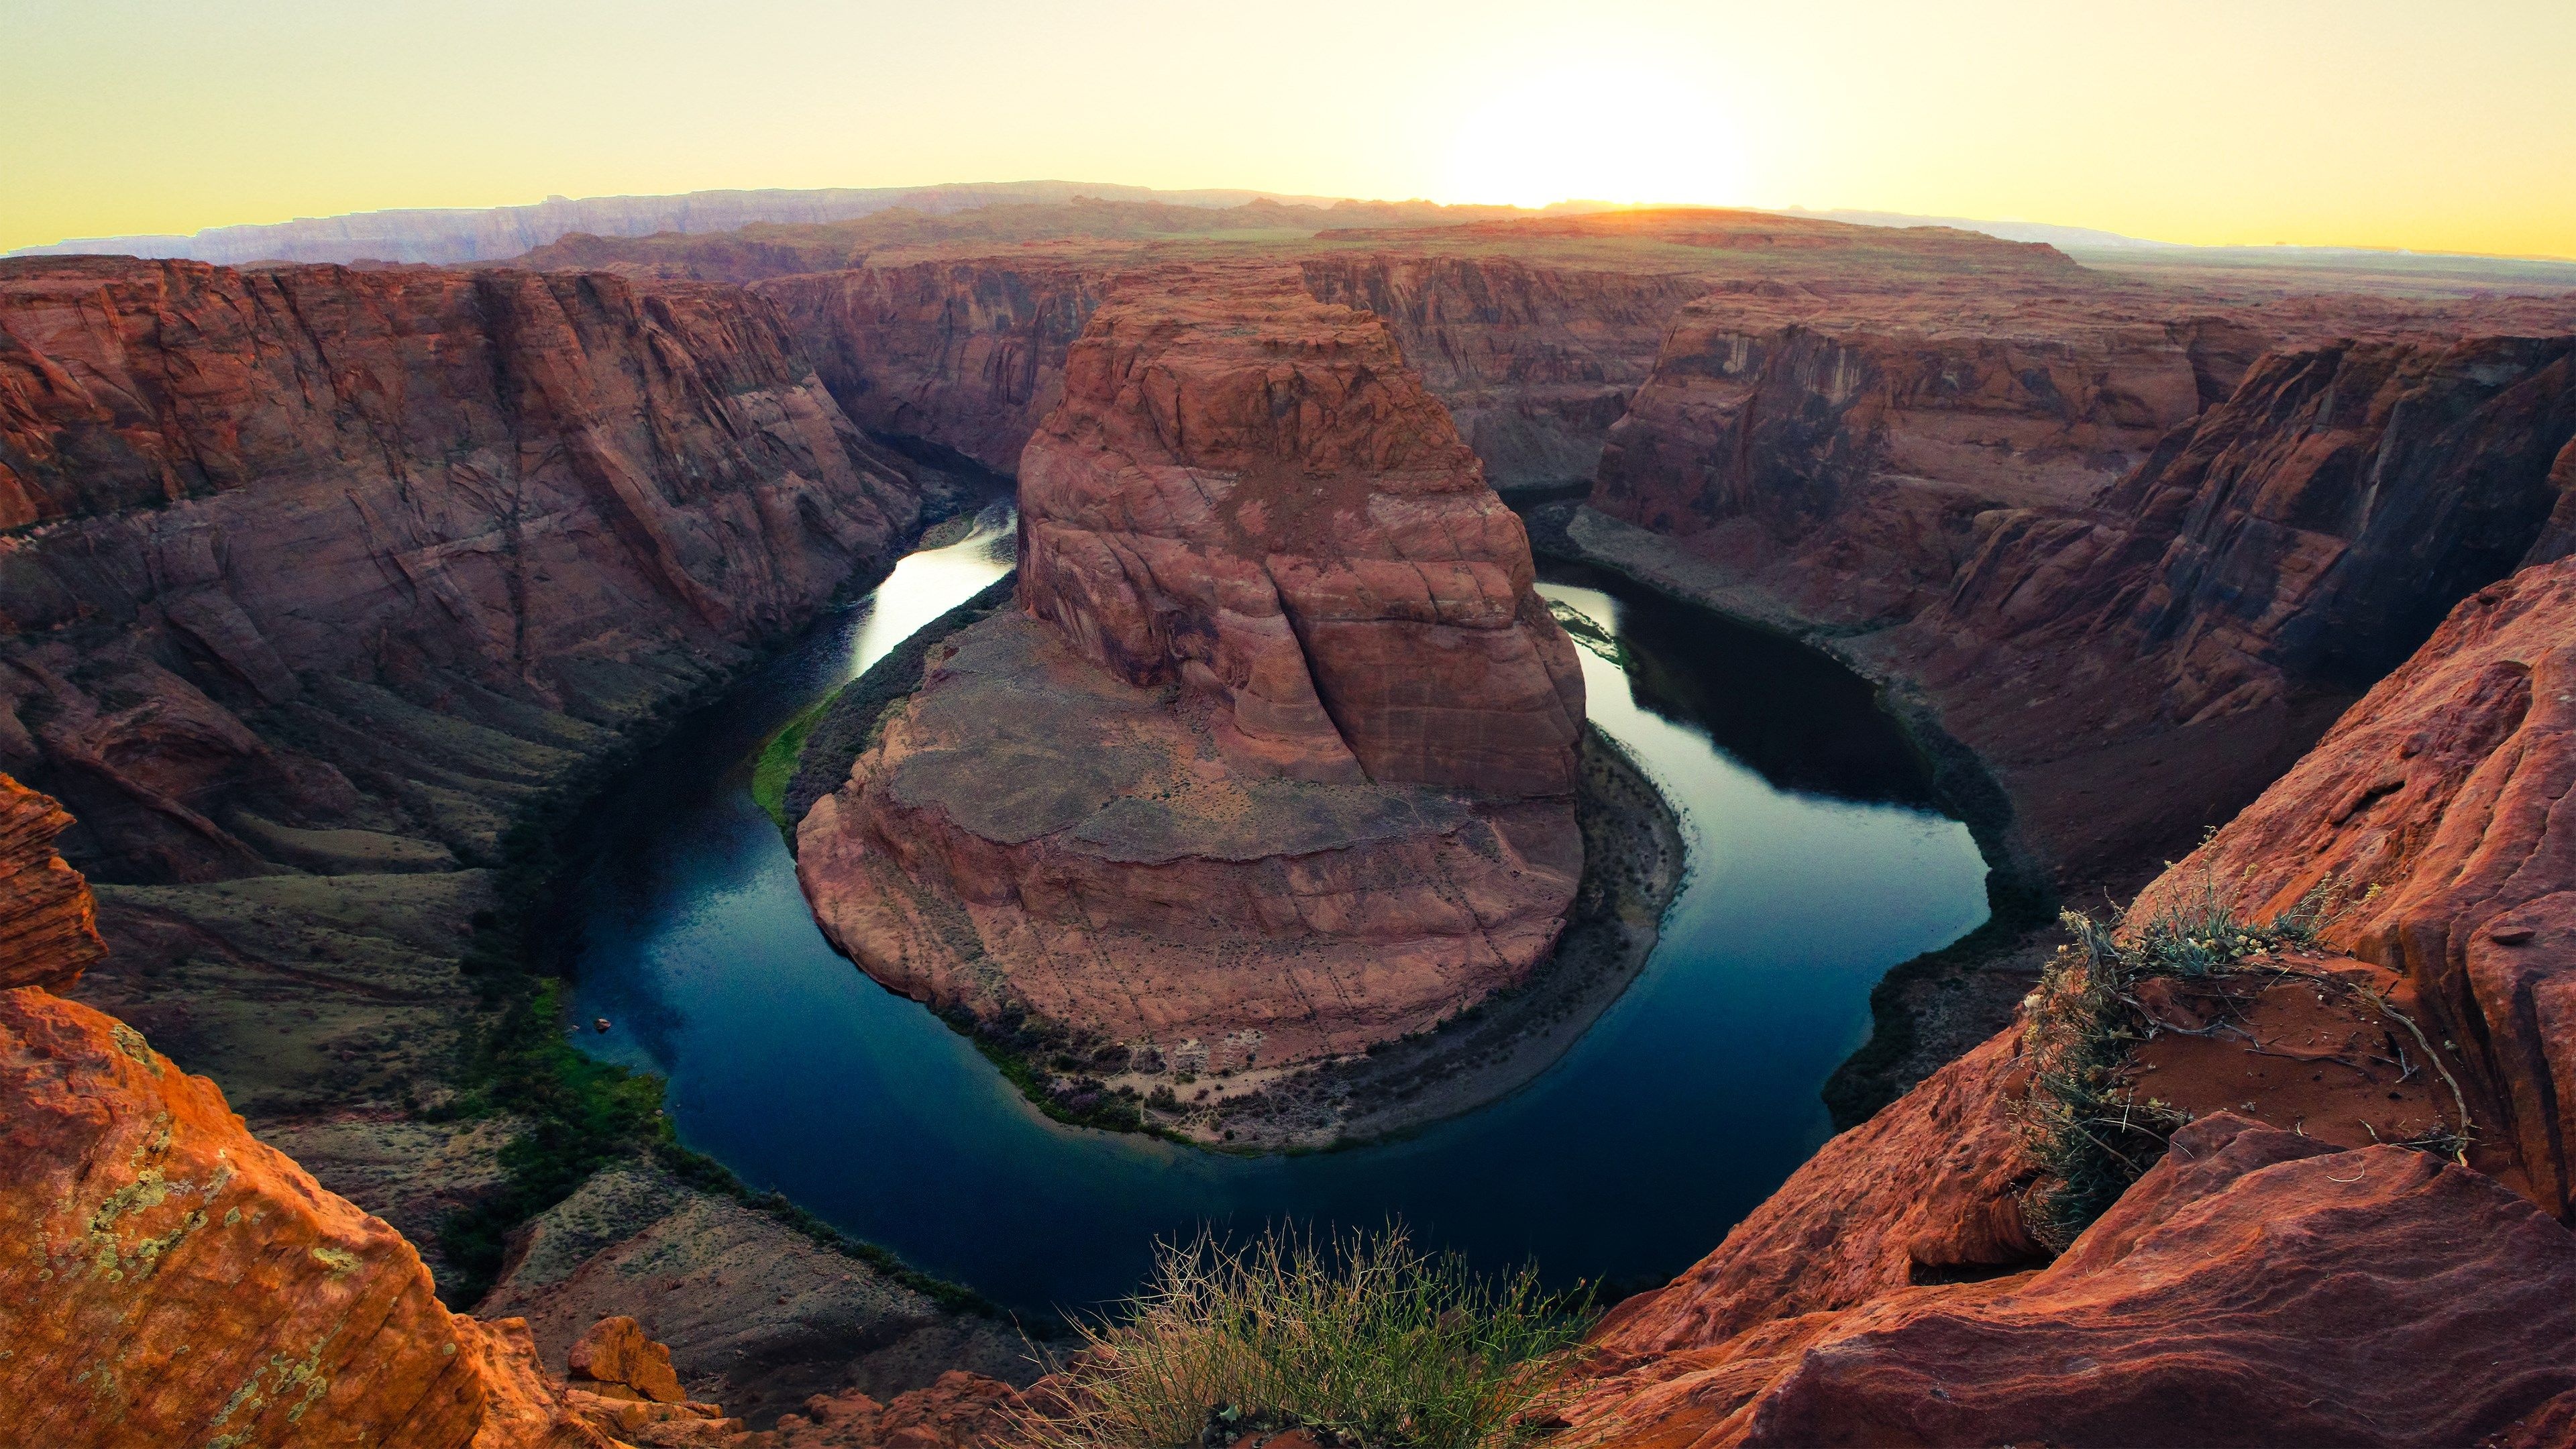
point(1278, 759)
point(317, 578)
point(2135, 565)
point(1534, 362)
point(322, 496)
point(2214, 608)
point(2267, 1280)
point(968, 355)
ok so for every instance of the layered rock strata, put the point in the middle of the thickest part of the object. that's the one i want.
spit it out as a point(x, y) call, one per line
point(320, 577)
point(967, 355)
point(1535, 362)
point(2273, 1278)
point(1278, 759)
point(48, 923)
point(530, 504)
point(2136, 604)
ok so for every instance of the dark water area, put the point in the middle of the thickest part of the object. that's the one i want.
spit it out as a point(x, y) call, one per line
point(1816, 862)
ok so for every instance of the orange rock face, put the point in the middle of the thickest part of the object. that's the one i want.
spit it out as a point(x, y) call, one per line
point(1282, 751)
point(48, 923)
point(172, 1281)
point(2440, 804)
point(1839, 452)
point(2254, 1287)
point(966, 354)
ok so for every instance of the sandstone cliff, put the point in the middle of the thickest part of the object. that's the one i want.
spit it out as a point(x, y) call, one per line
point(1535, 362)
point(2276, 1277)
point(967, 355)
point(48, 923)
point(2214, 608)
point(1839, 454)
point(319, 577)
point(2133, 566)
point(536, 503)
point(1278, 760)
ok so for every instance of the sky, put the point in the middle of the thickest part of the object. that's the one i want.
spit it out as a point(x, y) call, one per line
point(2436, 126)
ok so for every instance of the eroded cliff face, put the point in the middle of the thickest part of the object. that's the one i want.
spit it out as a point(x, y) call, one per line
point(539, 504)
point(1278, 760)
point(968, 355)
point(322, 575)
point(2440, 808)
point(1534, 362)
point(1839, 454)
point(2274, 1278)
point(2263, 566)
point(2133, 566)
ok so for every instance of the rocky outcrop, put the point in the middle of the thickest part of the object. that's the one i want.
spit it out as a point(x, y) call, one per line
point(1278, 760)
point(758, 1316)
point(2277, 1277)
point(48, 923)
point(2254, 1287)
point(172, 1280)
point(2439, 807)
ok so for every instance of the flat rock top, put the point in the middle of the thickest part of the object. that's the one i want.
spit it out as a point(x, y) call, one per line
point(1016, 738)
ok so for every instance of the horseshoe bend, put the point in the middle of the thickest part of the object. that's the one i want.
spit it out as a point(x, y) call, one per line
point(1272, 760)
point(1067, 816)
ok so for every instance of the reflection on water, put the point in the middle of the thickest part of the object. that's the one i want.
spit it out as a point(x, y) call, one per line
point(1814, 866)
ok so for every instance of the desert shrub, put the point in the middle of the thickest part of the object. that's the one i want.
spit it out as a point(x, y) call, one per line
point(1366, 1338)
point(2090, 1138)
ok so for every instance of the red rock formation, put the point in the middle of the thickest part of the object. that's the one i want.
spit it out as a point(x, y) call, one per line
point(2441, 805)
point(48, 924)
point(960, 1411)
point(2254, 1287)
point(1286, 769)
point(172, 1280)
point(2134, 654)
point(2259, 1284)
point(488, 491)
point(1839, 450)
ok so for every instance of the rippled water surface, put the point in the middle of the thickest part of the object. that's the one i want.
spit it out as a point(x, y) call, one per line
point(1816, 862)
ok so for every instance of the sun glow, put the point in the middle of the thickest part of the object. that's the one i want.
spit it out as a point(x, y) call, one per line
point(1596, 133)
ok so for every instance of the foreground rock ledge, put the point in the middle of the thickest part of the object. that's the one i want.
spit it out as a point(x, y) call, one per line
point(1275, 761)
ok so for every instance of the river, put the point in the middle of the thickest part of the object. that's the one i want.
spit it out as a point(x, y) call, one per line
point(1816, 861)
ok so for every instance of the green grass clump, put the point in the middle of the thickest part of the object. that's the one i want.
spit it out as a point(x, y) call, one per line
point(776, 767)
point(1365, 1338)
point(2090, 1138)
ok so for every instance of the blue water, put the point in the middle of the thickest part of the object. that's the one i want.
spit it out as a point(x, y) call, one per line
point(1815, 863)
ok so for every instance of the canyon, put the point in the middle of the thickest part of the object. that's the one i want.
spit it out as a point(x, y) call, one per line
point(1892, 1291)
point(324, 581)
point(319, 579)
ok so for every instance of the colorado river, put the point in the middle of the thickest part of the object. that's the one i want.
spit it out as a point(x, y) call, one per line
point(1816, 862)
